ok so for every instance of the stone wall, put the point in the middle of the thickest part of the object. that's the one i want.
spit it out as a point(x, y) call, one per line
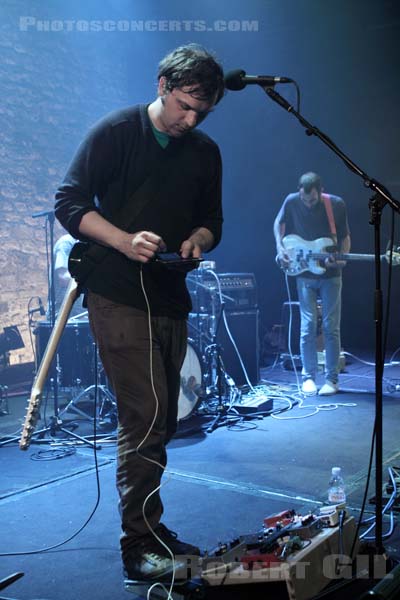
point(48, 101)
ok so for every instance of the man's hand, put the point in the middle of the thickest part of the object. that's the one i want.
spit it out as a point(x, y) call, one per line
point(142, 246)
point(189, 249)
point(282, 258)
point(201, 240)
point(332, 263)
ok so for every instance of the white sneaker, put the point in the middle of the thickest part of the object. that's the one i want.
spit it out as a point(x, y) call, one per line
point(328, 389)
point(309, 387)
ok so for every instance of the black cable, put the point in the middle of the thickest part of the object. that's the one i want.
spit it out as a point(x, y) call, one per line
point(74, 535)
point(342, 515)
point(54, 453)
point(364, 501)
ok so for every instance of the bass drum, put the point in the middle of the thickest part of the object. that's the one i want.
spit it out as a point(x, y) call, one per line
point(75, 352)
point(191, 383)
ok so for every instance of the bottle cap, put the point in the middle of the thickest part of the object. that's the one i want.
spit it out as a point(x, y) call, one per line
point(336, 470)
point(209, 265)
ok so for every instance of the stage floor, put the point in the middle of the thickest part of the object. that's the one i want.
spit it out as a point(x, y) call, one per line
point(219, 484)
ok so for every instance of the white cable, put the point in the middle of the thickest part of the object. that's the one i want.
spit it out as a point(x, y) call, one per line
point(391, 363)
point(387, 506)
point(301, 396)
point(290, 331)
point(158, 488)
point(229, 331)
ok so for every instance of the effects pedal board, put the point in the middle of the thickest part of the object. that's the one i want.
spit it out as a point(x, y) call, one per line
point(292, 557)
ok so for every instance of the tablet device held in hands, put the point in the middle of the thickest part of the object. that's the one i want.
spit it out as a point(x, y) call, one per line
point(175, 260)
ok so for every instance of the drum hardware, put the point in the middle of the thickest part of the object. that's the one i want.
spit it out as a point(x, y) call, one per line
point(8, 581)
point(217, 382)
point(221, 383)
point(107, 410)
point(75, 351)
point(107, 407)
point(199, 330)
point(191, 390)
point(216, 379)
point(83, 316)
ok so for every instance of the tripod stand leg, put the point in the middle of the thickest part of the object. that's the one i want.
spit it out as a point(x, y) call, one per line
point(56, 426)
point(8, 581)
point(72, 403)
point(79, 437)
point(223, 418)
point(100, 389)
point(4, 440)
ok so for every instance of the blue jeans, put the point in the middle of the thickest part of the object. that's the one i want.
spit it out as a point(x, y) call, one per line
point(330, 291)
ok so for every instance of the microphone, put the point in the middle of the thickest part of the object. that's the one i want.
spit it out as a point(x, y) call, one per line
point(40, 309)
point(237, 80)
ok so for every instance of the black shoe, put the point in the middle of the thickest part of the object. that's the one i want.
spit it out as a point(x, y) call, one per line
point(150, 562)
point(177, 547)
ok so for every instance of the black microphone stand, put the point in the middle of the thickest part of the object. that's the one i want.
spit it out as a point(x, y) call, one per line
point(377, 202)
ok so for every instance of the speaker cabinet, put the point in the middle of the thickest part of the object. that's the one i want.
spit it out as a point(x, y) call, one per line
point(243, 326)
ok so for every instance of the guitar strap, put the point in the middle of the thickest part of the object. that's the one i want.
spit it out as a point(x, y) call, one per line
point(329, 212)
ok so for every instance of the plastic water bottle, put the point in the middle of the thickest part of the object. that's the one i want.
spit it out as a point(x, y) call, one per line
point(336, 491)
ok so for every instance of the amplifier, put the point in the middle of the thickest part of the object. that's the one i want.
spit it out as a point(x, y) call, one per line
point(239, 291)
point(244, 328)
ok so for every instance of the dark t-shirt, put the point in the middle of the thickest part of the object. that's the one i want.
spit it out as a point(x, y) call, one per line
point(312, 223)
point(116, 157)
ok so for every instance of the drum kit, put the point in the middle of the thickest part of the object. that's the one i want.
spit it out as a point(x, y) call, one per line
point(204, 378)
point(79, 371)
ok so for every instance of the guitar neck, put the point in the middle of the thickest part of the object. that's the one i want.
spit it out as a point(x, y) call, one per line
point(32, 413)
point(324, 255)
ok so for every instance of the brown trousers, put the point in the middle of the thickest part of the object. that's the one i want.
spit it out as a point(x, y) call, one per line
point(122, 335)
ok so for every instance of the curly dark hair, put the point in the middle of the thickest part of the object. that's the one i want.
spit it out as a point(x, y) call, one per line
point(194, 67)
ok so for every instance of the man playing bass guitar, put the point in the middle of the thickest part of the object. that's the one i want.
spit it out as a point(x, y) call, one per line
point(311, 214)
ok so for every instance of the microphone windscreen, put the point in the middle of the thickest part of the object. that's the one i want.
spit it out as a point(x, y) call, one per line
point(234, 80)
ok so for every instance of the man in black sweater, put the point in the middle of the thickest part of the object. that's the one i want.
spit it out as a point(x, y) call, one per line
point(137, 305)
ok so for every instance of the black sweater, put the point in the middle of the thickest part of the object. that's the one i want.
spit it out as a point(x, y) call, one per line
point(117, 155)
